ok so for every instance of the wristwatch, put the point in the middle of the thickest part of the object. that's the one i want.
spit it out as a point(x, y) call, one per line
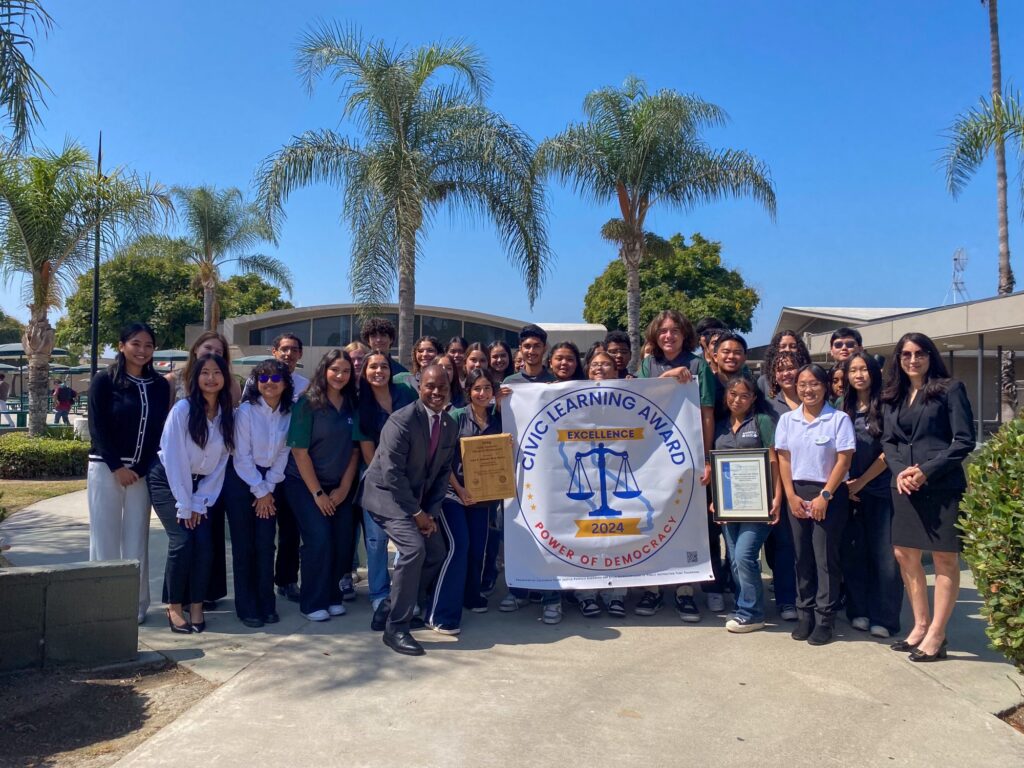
point(319, 493)
point(826, 495)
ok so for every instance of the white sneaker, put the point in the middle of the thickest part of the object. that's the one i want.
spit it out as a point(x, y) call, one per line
point(860, 623)
point(741, 626)
point(511, 603)
point(716, 603)
point(336, 610)
point(877, 630)
point(551, 614)
point(320, 615)
point(442, 629)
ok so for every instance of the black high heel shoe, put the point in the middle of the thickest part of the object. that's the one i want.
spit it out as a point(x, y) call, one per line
point(902, 646)
point(188, 629)
point(939, 654)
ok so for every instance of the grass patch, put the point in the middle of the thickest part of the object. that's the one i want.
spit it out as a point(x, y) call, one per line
point(18, 494)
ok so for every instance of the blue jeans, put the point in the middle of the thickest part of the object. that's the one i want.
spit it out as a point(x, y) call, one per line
point(744, 542)
point(874, 587)
point(377, 574)
point(465, 534)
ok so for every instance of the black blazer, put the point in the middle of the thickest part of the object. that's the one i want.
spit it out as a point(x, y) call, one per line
point(400, 481)
point(941, 438)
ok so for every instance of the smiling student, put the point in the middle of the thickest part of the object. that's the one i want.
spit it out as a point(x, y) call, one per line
point(378, 333)
point(533, 344)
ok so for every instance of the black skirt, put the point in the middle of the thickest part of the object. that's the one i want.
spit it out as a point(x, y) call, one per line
point(926, 519)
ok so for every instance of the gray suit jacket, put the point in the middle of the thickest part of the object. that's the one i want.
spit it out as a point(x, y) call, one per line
point(399, 481)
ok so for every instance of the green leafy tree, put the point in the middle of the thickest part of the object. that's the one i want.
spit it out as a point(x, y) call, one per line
point(11, 329)
point(642, 150)
point(220, 229)
point(690, 278)
point(424, 144)
point(148, 281)
point(50, 205)
point(21, 86)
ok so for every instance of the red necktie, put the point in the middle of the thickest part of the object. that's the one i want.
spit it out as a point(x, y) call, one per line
point(435, 436)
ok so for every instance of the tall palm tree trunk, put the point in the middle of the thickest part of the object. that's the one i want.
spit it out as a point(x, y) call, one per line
point(1007, 376)
point(38, 343)
point(632, 253)
point(406, 298)
point(209, 298)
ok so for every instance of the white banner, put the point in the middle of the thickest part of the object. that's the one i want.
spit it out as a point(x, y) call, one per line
point(608, 485)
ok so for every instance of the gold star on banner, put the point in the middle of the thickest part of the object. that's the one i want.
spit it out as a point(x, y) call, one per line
point(533, 507)
point(528, 486)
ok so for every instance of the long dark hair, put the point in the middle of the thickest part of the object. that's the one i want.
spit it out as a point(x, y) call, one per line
point(197, 428)
point(119, 368)
point(316, 393)
point(508, 350)
point(251, 393)
point(193, 353)
point(367, 405)
point(802, 354)
point(476, 346)
point(579, 374)
point(455, 394)
point(758, 404)
point(851, 397)
point(897, 383)
point(432, 341)
point(473, 377)
point(685, 326)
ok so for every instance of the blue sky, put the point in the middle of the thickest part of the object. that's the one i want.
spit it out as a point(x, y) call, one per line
point(847, 103)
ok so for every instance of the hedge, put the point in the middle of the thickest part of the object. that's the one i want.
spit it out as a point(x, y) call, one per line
point(23, 457)
point(993, 527)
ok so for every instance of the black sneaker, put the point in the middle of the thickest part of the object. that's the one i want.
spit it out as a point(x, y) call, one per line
point(616, 608)
point(650, 603)
point(590, 608)
point(289, 591)
point(687, 609)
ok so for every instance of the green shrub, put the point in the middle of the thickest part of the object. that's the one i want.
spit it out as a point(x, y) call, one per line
point(993, 526)
point(60, 432)
point(23, 457)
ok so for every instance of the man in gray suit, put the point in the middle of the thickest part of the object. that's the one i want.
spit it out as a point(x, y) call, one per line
point(403, 489)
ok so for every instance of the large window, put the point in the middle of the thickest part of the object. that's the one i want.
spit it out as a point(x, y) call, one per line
point(334, 331)
point(265, 336)
point(442, 328)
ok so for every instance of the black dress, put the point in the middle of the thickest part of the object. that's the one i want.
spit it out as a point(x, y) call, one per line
point(937, 435)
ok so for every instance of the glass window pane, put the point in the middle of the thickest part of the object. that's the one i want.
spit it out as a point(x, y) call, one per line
point(485, 334)
point(265, 336)
point(334, 331)
point(441, 327)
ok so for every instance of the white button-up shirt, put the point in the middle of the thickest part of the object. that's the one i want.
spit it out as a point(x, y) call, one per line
point(300, 384)
point(261, 441)
point(813, 445)
point(183, 458)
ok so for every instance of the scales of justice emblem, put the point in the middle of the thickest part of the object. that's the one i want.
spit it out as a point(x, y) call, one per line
point(625, 486)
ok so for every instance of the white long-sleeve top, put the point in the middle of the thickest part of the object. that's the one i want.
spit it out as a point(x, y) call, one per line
point(182, 458)
point(260, 441)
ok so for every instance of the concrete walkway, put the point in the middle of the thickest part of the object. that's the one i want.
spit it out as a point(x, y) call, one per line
point(513, 691)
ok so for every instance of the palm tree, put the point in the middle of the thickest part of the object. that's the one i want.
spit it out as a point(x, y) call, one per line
point(424, 144)
point(221, 227)
point(21, 87)
point(641, 150)
point(983, 129)
point(49, 207)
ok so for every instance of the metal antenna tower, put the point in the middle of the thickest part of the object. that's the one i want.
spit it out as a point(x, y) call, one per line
point(957, 292)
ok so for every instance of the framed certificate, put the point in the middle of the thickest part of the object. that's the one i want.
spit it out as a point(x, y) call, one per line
point(741, 485)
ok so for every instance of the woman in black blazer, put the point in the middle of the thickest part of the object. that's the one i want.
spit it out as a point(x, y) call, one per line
point(928, 431)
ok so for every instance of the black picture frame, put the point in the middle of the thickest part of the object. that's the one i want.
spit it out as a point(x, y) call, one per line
point(754, 485)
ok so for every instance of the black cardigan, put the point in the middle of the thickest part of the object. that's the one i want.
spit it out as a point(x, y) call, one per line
point(125, 423)
point(941, 438)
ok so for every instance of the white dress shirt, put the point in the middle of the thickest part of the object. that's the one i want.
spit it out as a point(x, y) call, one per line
point(183, 458)
point(261, 441)
point(813, 445)
point(300, 384)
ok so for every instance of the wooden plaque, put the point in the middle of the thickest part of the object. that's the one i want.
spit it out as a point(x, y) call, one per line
point(487, 467)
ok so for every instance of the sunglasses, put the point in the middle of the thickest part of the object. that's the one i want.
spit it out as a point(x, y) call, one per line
point(842, 344)
point(274, 377)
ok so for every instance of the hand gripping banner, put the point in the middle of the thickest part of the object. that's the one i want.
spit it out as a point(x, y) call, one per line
point(608, 485)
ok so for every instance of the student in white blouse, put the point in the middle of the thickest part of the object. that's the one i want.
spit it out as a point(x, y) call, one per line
point(186, 480)
point(254, 488)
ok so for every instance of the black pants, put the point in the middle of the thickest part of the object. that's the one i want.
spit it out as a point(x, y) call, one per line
point(189, 551)
point(326, 551)
point(721, 570)
point(419, 562)
point(218, 584)
point(818, 572)
point(252, 548)
point(286, 569)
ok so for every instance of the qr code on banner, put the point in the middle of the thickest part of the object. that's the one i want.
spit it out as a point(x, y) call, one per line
point(691, 556)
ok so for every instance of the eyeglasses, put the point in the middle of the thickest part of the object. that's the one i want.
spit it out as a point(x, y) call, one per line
point(837, 344)
point(913, 355)
point(804, 387)
point(274, 377)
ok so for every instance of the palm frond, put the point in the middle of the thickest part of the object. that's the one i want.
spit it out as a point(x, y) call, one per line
point(975, 132)
point(267, 267)
point(21, 86)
